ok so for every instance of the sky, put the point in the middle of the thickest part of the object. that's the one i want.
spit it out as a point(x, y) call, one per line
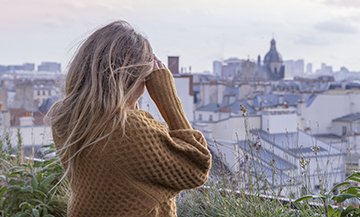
point(198, 31)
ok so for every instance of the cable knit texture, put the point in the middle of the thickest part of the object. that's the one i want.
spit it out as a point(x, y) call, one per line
point(141, 173)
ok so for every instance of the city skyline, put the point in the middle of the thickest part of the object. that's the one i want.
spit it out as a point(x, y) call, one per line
point(318, 31)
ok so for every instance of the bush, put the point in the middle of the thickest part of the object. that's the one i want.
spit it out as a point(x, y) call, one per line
point(29, 188)
point(349, 192)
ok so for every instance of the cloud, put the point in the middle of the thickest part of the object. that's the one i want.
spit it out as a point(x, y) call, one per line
point(344, 3)
point(336, 27)
point(312, 41)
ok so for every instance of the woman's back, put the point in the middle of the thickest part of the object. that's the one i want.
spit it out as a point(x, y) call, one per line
point(137, 165)
point(131, 176)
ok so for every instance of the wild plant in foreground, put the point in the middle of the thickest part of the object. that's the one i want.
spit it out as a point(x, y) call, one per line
point(27, 188)
point(256, 189)
point(347, 193)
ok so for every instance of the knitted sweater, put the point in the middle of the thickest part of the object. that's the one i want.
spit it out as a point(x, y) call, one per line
point(141, 173)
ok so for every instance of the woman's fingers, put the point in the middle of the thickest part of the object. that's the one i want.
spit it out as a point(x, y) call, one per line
point(158, 64)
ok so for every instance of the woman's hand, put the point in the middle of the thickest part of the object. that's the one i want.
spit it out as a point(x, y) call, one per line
point(158, 64)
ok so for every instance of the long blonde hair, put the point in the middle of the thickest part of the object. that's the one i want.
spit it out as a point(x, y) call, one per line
point(102, 77)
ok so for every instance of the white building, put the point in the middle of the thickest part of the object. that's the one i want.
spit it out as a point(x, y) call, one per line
point(299, 67)
point(183, 84)
point(294, 67)
point(217, 68)
point(42, 93)
point(34, 133)
point(285, 149)
point(318, 112)
point(309, 68)
point(4, 112)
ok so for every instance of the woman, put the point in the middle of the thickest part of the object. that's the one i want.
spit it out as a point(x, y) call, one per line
point(118, 159)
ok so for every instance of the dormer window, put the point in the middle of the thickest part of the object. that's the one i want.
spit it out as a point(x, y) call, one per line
point(344, 130)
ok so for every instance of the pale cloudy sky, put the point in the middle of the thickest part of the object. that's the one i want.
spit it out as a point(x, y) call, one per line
point(199, 31)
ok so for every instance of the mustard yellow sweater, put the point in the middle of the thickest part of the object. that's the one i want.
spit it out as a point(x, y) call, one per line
point(141, 173)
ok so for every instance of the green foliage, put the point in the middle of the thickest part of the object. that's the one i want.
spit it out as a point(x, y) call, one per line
point(214, 201)
point(2, 150)
point(30, 188)
point(8, 143)
point(19, 149)
point(347, 193)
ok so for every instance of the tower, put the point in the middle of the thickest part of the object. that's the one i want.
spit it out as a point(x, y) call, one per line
point(273, 63)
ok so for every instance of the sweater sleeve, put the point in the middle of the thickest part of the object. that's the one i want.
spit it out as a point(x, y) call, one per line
point(160, 162)
point(161, 88)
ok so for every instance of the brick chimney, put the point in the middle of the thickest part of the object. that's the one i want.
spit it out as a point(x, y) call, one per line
point(173, 64)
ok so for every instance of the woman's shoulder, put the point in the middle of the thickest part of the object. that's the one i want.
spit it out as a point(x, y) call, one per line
point(140, 119)
point(137, 113)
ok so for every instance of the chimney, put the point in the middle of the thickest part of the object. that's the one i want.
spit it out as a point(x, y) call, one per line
point(173, 64)
point(250, 101)
point(26, 120)
point(281, 99)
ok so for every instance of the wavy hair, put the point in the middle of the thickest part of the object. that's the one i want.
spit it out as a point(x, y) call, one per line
point(103, 76)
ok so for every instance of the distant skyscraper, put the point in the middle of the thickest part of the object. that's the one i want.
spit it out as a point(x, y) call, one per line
point(289, 67)
point(2, 68)
point(29, 66)
point(329, 69)
point(309, 68)
point(217, 67)
point(14, 67)
point(325, 69)
point(299, 67)
point(294, 67)
point(49, 67)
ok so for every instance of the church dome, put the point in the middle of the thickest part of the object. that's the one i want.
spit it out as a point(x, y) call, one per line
point(272, 55)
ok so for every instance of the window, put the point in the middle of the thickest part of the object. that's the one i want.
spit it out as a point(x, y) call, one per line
point(49, 92)
point(344, 130)
point(275, 70)
point(38, 92)
point(200, 117)
point(44, 92)
point(210, 117)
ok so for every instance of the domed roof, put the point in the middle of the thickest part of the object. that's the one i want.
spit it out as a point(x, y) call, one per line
point(272, 55)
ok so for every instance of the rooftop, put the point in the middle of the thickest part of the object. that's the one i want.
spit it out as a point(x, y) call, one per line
point(300, 143)
point(214, 107)
point(272, 100)
point(348, 118)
